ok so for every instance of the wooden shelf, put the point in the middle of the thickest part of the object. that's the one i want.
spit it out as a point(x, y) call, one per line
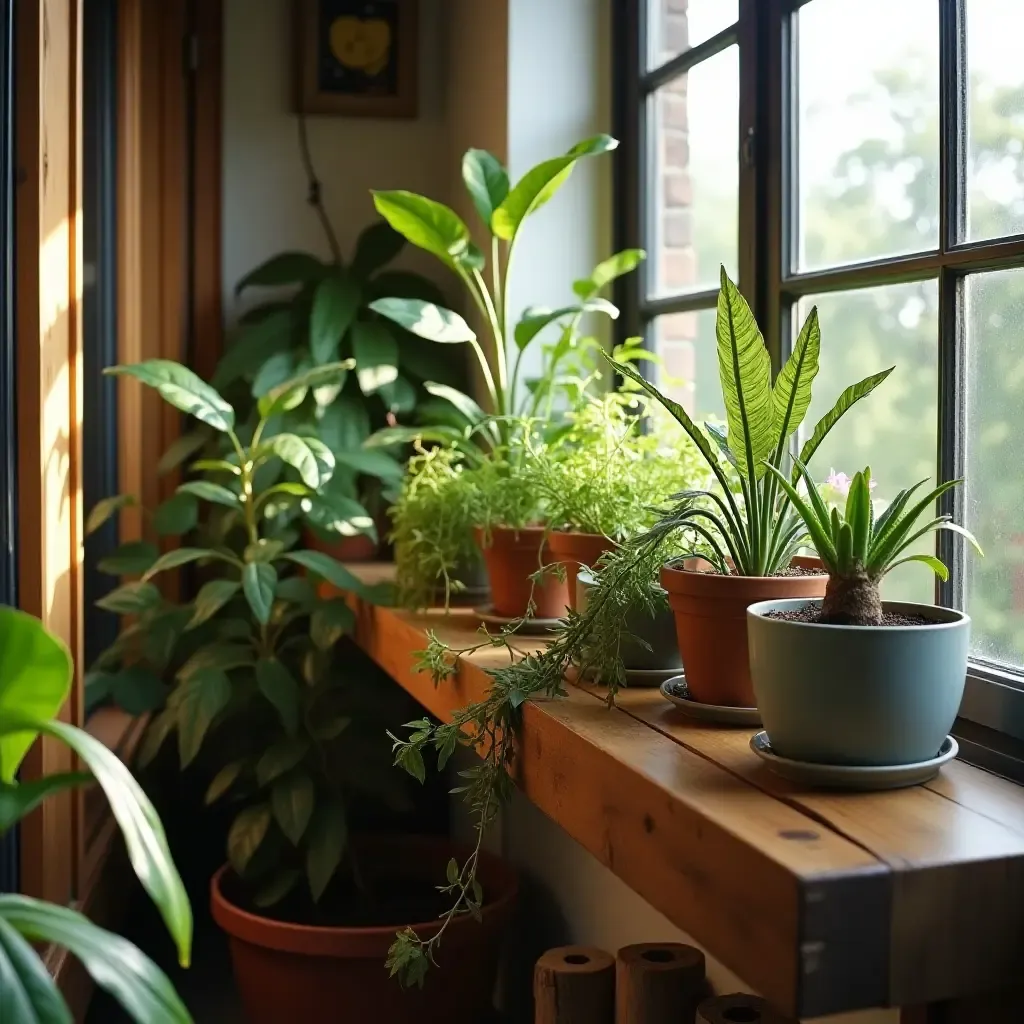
point(823, 902)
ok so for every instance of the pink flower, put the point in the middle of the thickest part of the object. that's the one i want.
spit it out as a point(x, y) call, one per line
point(836, 487)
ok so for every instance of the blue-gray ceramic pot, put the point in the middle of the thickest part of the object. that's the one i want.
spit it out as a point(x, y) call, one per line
point(658, 631)
point(858, 695)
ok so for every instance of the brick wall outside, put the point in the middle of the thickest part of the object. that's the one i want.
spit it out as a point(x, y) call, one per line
point(672, 204)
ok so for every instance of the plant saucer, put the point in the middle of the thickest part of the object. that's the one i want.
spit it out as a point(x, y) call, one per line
point(675, 690)
point(857, 777)
point(635, 677)
point(526, 627)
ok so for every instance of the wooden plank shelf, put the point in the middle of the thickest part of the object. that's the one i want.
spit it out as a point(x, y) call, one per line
point(823, 902)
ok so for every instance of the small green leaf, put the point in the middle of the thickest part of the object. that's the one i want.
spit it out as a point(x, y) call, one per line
point(207, 491)
point(245, 836)
point(259, 580)
point(453, 873)
point(181, 448)
point(936, 565)
point(331, 728)
point(131, 598)
point(334, 308)
point(330, 622)
point(427, 224)
point(183, 389)
point(129, 559)
point(210, 599)
point(157, 732)
point(291, 393)
point(463, 403)
point(278, 685)
point(137, 690)
point(281, 757)
point(283, 269)
point(277, 888)
point(624, 262)
point(203, 695)
point(18, 800)
point(535, 319)
point(296, 452)
point(264, 550)
point(177, 515)
point(376, 246)
point(376, 355)
point(325, 844)
point(105, 509)
point(327, 568)
point(486, 182)
point(223, 781)
point(372, 462)
point(275, 371)
point(424, 319)
point(292, 799)
point(178, 557)
point(222, 656)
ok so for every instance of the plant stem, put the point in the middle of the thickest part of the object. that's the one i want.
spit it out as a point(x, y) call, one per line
point(496, 396)
point(499, 337)
point(315, 195)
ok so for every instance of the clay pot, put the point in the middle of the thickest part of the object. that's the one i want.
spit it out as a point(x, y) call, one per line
point(711, 625)
point(511, 557)
point(575, 550)
point(360, 548)
point(290, 972)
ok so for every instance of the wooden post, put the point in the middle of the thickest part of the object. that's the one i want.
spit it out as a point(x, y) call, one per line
point(658, 983)
point(740, 1007)
point(574, 985)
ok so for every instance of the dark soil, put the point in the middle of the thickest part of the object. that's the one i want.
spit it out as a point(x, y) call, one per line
point(810, 614)
point(799, 570)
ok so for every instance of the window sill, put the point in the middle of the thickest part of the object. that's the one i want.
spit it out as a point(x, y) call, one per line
point(824, 902)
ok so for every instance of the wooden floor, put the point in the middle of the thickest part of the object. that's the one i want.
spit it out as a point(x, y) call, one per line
point(824, 902)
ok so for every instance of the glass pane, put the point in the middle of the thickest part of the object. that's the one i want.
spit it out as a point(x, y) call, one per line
point(695, 167)
point(676, 25)
point(995, 138)
point(688, 349)
point(994, 585)
point(895, 429)
point(868, 130)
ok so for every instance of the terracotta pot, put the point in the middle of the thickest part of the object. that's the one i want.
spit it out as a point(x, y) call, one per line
point(289, 972)
point(577, 550)
point(360, 548)
point(711, 625)
point(511, 557)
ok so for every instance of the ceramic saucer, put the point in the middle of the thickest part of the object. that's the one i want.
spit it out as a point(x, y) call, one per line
point(675, 690)
point(526, 627)
point(635, 677)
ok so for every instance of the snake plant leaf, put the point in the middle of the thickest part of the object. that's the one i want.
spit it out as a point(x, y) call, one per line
point(791, 395)
point(745, 371)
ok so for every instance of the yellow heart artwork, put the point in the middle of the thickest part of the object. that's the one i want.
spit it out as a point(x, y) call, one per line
point(362, 44)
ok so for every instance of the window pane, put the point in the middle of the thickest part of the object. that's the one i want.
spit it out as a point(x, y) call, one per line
point(676, 25)
point(995, 173)
point(695, 167)
point(868, 130)
point(688, 349)
point(994, 584)
point(893, 430)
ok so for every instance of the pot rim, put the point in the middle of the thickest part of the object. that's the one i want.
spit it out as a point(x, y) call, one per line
point(804, 561)
point(759, 609)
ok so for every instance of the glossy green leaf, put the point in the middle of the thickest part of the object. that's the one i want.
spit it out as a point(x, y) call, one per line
point(178, 557)
point(218, 494)
point(335, 305)
point(183, 448)
point(425, 320)
point(486, 182)
point(211, 598)
point(131, 599)
point(325, 844)
point(292, 799)
point(399, 395)
point(936, 565)
point(346, 424)
point(266, 549)
point(18, 799)
point(107, 508)
point(278, 685)
point(371, 462)
point(281, 757)
point(295, 452)
point(324, 458)
point(594, 146)
point(376, 246)
point(183, 389)
point(137, 690)
point(223, 656)
point(275, 371)
point(389, 437)
point(535, 318)
point(427, 224)
point(28, 993)
point(223, 781)
point(339, 514)
point(283, 269)
point(624, 262)
point(376, 354)
point(202, 696)
point(290, 394)
point(129, 559)
point(259, 580)
point(178, 515)
point(330, 622)
point(246, 834)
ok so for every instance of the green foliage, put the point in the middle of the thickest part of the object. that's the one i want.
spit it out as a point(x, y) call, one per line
point(253, 698)
point(35, 680)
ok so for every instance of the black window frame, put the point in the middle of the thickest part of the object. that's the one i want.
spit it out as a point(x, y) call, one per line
point(991, 724)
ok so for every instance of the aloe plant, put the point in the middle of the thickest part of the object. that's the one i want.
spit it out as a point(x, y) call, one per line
point(756, 532)
point(858, 550)
point(503, 208)
point(35, 681)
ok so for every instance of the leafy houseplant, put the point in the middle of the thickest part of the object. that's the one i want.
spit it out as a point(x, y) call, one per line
point(35, 681)
point(256, 695)
point(896, 671)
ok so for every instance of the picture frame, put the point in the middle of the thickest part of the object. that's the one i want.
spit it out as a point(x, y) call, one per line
point(357, 58)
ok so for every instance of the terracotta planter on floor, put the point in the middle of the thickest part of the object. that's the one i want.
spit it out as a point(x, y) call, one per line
point(289, 972)
point(711, 625)
point(511, 557)
point(575, 550)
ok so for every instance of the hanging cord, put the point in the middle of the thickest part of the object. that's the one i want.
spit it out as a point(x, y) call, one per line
point(315, 194)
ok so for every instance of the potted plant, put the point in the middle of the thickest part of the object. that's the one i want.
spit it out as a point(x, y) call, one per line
point(35, 682)
point(245, 674)
point(895, 670)
point(515, 549)
point(749, 539)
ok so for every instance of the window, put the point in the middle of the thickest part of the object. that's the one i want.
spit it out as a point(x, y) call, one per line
point(866, 158)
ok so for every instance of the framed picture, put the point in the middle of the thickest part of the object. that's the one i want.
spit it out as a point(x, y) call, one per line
point(357, 57)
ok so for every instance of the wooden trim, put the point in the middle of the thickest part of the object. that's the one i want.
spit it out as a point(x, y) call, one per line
point(49, 393)
point(824, 902)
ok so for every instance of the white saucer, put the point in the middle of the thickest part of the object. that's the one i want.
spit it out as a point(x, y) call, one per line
point(675, 690)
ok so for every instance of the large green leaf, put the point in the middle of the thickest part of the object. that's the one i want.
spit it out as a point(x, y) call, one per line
point(131, 599)
point(372, 462)
point(112, 962)
point(292, 800)
point(427, 224)
point(18, 799)
point(608, 270)
point(325, 844)
point(278, 685)
point(224, 656)
point(335, 305)
point(28, 993)
point(345, 424)
point(246, 834)
point(290, 393)
point(283, 269)
point(209, 491)
point(536, 318)
point(259, 580)
point(105, 509)
point(376, 246)
point(294, 450)
point(35, 679)
point(327, 568)
point(337, 513)
point(281, 757)
point(426, 320)
point(181, 556)
point(129, 559)
point(376, 353)
point(223, 781)
point(399, 395)
point(745, 371)
point(211, 598)
point(791, 395)
point(183, 389)
point(486, 182)
point(201, 697)
point(137, 690)
point(539, 185)
point(849, 398)
point(177, 515)
point(462, 402)
point(278, 369)
point(281, 883)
